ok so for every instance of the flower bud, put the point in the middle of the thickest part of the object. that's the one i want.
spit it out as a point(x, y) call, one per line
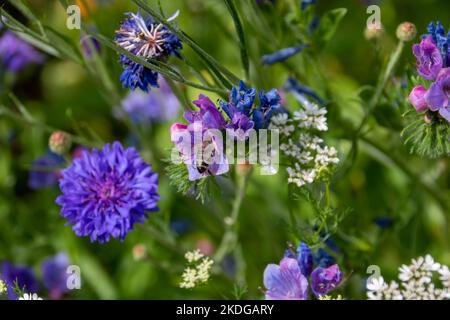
point(60, 142)
point(406, 31)
point(139, 252)
point(373, 32)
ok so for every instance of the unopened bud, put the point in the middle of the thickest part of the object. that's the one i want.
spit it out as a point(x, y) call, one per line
point(60, 142)
point(139, 252)
point(406, 31)
point(374, 31)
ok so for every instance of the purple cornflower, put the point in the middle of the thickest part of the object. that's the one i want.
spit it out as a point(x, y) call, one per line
point(285, 281)
point(282, 55)
point(45, 171)
point(16, 54)
point(200, 143)
point(429, 59)
point(147, 39)
point(156, 106)
point(54, 274)
point(325, 280)
point(438, 96)
point(105, 192)
point(17, 274)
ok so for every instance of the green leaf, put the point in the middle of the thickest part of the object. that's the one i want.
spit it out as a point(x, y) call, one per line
point(240, 30)
point(388, 116)
point(329, 24)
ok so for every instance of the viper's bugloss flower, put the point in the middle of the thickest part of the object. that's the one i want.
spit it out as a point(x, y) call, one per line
point(438, 96)
point(45, 171)
point(285, 281)
point(325, 280)
point(282, 55)
point(54, 275)
point(269, 104)
point(19, 275)
point(323, 259)
point(105, 192)
point(199, 143)
point(147, 39)
point(159, 105)
point(429, 59)
point(417, 98)
point(16, 54)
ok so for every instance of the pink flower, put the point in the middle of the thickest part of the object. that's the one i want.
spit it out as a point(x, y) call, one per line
point(417, 98)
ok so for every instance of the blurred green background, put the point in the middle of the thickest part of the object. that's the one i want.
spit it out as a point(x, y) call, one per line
point(373, 184)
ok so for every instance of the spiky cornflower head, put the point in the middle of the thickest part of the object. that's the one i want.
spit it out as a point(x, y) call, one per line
point(16, 54)
point(105, 192)
point(147, 39)
point(54, 275)
point(159, 105)
point(18, 276)
point(45, 171)
point(416, 282)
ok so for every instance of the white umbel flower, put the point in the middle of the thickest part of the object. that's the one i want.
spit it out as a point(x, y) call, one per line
point(199, 270)
point(311, 116)
point(416, 282)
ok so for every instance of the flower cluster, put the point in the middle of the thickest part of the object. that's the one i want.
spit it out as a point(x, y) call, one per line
point(198, 271)
point(310, 159)
point(433, 64)
point(201, 144)
point(149, 40)
point(289, 279)
point(105, 192)
point(416, 282)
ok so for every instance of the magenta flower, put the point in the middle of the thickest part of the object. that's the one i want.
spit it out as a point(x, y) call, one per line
point(200, 143)
point(429, 58)
point(438, 96)
point(285, 281)
point(417, 98)
point(323, 280)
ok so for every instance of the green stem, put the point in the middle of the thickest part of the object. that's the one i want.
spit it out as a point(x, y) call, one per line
point(381, 85)
point(230, 236)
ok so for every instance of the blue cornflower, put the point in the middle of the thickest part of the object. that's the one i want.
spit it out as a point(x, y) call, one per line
point(147, 39)
point(105, 192)
point(282, 55)
point(45, 171)
point(269, 103)
point(19, 275)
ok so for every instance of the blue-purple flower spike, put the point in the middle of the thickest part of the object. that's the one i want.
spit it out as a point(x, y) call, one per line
point(105, 192)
